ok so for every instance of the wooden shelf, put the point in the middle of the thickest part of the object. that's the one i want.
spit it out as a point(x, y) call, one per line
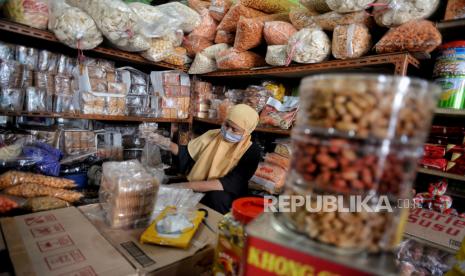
point(400, 61)
point(258, 129)
point(441, 174)
point(450, 24)
point(114, 54)
point(450, 112)
point(94, 117)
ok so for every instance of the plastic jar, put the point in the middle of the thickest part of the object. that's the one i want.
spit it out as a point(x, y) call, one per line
point(449, 72)
point(357, 137)
point(231, 235)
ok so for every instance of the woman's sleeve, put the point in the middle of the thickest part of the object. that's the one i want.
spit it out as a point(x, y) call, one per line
point(185, 161)
point(236, 182)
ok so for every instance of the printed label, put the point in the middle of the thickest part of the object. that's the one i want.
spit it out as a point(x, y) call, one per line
point(61, 260)
point(55, 243)
point(43, 231)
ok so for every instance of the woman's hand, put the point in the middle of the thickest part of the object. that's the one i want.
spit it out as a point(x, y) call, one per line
point(163, 142)
point(199, 186)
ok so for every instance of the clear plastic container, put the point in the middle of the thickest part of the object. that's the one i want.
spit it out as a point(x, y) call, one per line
point(357, 137)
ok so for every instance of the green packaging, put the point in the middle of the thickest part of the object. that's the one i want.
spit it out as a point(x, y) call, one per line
point(453, 92)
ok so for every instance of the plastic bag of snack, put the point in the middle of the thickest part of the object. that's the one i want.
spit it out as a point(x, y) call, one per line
point(279, 114)
point(225, 37)
point(229, 22)
point(330, 20)
point(44, 203)
point(249, 34)
point(117, 22)
point(277, 89)
point(278, 160)
point(278, 32)
point(351, 41)
point(198, 5)
point(319, 6)
point(218, 8)
point(72, 26)
point(195, 44)
point(455, 10)
point(160, 48)
point(276, 55)
point(413, 36)
point(272, 173)
point(189, 19)
point(261, 184)
point(345, 6)
point(309, 45)
point(33, 13)
point(202, 65)
point(178, 57)
point(207, 27)
point(301, 17)
point(389, 13)
point(232, 59)
point(256, 97)
point(34, 190)
point(269, 6)
point(7, 204)
point(213, 50)
point(156, 23)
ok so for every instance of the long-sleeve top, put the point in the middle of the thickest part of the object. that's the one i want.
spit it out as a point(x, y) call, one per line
point(235, 183)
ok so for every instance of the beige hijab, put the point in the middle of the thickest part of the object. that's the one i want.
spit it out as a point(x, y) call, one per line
point(214, 157)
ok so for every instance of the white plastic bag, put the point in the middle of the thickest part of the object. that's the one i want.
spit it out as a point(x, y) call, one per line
point(72, 26)
point(117, 22)
point(189, 19)
point(344, 6)
point(156, 23)
point(390, 13)
point(309, 45)
point(276, 55)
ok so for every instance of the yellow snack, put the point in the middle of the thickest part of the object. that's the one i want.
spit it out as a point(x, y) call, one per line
point(181, 239)
point(278, 90)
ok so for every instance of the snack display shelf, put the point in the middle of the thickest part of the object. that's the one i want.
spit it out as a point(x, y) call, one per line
point(441, 174)
point(400, 61)
point(450, 24)
point(258, 129)
point(450, 112)
point(97, 117)
point(16, 28)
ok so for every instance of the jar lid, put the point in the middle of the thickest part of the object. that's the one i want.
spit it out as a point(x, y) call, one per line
point(247, 208)
point(453, 44)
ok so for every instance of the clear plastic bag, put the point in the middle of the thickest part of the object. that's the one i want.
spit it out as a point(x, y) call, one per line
point(224, 37)
point(229, 22)
point(72, 26)
point(256, 97)
point(218, 8)
point(202, 65)
point(189, 19)
point(413, 36)
point(45, 203)
point(232, 59)
point(195, 44)
point(278, 32)
point(309, 45)
point(178, 57)
point(351, 41)
point(213, 50)
point(345, 6)
point(269, 6)
point(13, 178)
point(10, 74)
point(276, 55)
point(33, 13)
point(7, 204)
point(301, 17)
point(278, 160)
point(31, 189)
point(37, 100)
point(7, 51)
point(249, 34)
point(277, 114)
point(28, 57)
point(319, 6)
point(127, 194)
point(117, 22)
point(207, 27)
point(455, 10)
point(160, 48)
point(11, 99)
point(389, 13)
point(156, 23)
point(198, 5)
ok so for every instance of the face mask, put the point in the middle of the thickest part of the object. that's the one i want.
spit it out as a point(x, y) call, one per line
point(230, 137)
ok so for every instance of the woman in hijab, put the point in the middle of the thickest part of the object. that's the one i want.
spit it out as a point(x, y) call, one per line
point(220, 162)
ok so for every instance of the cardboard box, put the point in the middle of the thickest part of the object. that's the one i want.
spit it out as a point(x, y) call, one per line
point(160, 260)
point(444, 231)
point(60, 242)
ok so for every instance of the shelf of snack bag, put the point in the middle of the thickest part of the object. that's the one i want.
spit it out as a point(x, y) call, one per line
point(450, 112)
point(120, 118)
point(16, 28)
point(441, 174)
